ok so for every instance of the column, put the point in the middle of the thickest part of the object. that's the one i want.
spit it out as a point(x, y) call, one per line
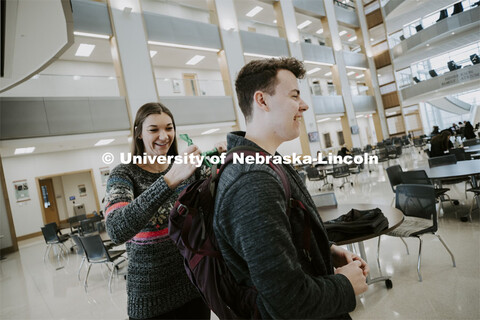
point(131, 55)
point(231, 59)
point(285, 15)
point(352, 138)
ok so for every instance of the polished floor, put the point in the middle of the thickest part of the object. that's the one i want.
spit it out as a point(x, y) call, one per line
point(32, 289)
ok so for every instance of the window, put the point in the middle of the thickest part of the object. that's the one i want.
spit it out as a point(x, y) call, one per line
point(328, 142)
point(341, 139)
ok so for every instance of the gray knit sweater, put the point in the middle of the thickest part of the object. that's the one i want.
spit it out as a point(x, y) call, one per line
point(138, 205)
point(263, 247)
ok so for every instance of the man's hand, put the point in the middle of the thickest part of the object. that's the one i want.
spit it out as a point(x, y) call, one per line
point(341, 257)
point(355, 275)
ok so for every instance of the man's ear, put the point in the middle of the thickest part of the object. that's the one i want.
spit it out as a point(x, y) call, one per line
point(260, 100)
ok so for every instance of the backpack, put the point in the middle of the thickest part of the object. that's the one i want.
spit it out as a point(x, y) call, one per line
point(191, 229)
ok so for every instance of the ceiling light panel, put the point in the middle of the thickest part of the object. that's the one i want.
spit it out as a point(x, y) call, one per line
point(211, 131)
point(328, 74)
point(152, 53)
point(91, 35)
point(84, 50)
point(313, 70)
point(320, 31)
point(304, 24)
point(254, 11)
point(196, 59)
point(24, 150)
point(352, 38)
point(104, 142)
point(341, 33)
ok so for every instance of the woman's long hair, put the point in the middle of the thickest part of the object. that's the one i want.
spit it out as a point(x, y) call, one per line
point(444, 137)
point(138, 148)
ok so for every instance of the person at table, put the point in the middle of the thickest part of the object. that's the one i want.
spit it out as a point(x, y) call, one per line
point(343, 152)
point(139, 199)
point(468, 131)
point(262, 245)
point(435, 131)
point(440, 143)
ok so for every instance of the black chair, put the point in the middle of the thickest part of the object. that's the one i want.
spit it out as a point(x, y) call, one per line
point(475, 58)
point(74, 222)
point(394, 174)
point(443, 15)
point(315, 175)
point(96, 252)
point(460, 154)
point(457, 8)
point(52, 238)
point(420, 177)
point(392, 152)
point(452, 66)
point(419, 27)
point(341, 171)
point(433, 73)
point(471, 142)
point(442, 161)
point(417, 202)
point(416, 80)
point(80, 252)
point(476, 198)
point(87, 226)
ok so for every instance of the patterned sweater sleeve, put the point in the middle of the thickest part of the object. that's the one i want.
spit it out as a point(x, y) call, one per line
point(127, 215)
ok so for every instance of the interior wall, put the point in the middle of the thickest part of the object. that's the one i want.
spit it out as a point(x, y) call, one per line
point(70, 188)
point(176, 10)
point(4, 225)
point(209, 82)
point(60, 198)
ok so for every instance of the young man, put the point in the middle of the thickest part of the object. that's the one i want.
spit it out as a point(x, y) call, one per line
point(261, 245)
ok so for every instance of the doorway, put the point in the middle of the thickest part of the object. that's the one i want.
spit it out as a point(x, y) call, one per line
point(49, 204)
point(190, 84)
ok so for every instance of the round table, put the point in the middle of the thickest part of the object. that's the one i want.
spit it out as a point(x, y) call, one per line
point(394, 216)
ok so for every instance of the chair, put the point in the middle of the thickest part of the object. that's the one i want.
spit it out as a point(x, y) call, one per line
point(443, 15)
point(457, 8)
point(80, 252)
point(471, 142)
point(382, 155)
point(419, 27)
point(394, 174)
point(325, 200)
point(315, 175)
point(476, 198)
point(87, 226)
point(51, 237)
point(452, 66)
point(392, 152)
point(475, 58)
point(433, 73)
point(342, 171)
point(460, 154)
point(96, 252)
point(442, 161)
point(420, 177)
point(74, 222)
point(417, 202)
point(416, 80)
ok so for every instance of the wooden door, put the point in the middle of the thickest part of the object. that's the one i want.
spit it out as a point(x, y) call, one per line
point(190, 84)
point(49, 205)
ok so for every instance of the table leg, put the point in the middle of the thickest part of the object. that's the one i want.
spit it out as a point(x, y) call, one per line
point(370, 280)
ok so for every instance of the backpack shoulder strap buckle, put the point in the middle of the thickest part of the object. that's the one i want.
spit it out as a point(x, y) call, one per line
point(182, 209)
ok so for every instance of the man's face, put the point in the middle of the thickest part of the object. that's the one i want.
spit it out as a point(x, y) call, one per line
point(285, 107)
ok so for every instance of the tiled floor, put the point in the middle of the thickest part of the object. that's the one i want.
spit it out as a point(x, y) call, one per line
point(31, 289)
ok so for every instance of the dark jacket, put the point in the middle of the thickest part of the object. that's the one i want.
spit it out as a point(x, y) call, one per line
point(263, 247)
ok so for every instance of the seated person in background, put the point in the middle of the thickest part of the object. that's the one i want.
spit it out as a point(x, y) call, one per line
point(468, 131)
point(440, 143)
point(435, 131)
point(343, 152)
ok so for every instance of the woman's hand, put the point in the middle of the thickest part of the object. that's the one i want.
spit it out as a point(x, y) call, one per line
point(181, 171)
point(342, 257)
point(221, 146)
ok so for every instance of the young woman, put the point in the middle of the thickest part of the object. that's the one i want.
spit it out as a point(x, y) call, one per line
point(139, 199)
point(440, 143)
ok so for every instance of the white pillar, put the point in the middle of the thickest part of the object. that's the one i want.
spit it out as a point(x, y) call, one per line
point(131, 54)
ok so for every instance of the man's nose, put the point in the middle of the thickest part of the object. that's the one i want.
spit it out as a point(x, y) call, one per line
point(303, 106)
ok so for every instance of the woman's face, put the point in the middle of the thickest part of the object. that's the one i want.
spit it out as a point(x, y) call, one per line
point(158, 134)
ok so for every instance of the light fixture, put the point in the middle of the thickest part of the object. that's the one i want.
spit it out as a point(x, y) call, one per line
point(254, 11)
point(350, 73)
point(318, 63)
point(35, 77)
point(453, 33)
point(314, 70)
point(104, 142)
point(111, 78)
point(371, 39)
point(352, 38)
point(357, 68)
point(196, 59)
point(304, 24)
point(320, 31)
point(428, 44)
point(174, 45)
point(337, 119)
point(359, 116)
point(24, 150)
point(360, 76)
point(275, 21)
point(257, 55)
point(77, 77)
point(92, 35)
point(328, 74)
point(211, 131)
point(152, 53)
point(84, 50)
point(322, 120)
point(341, 33)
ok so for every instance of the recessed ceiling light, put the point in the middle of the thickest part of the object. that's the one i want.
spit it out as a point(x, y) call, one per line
point(328, 74)
point(304, 24)
point(320, 31)
point(84, 50)
point(337, 119)
point(359, 116)
point(152, 53)
point(351, 73)
point(24, 150)
point(104, 142)
point(275, 21)
point(91, 35)
point(322, 120)
point(257, 55)
point(77, 77)
point(428, 44)
point(183, 46)
point(111, 78)
point(254, 11)
point(341, 33)
point(210, 131)
point(360, 76)
point(313, 70)
point(196, 59)
point(453, 32)
point(352, 38)
point(371, 39)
